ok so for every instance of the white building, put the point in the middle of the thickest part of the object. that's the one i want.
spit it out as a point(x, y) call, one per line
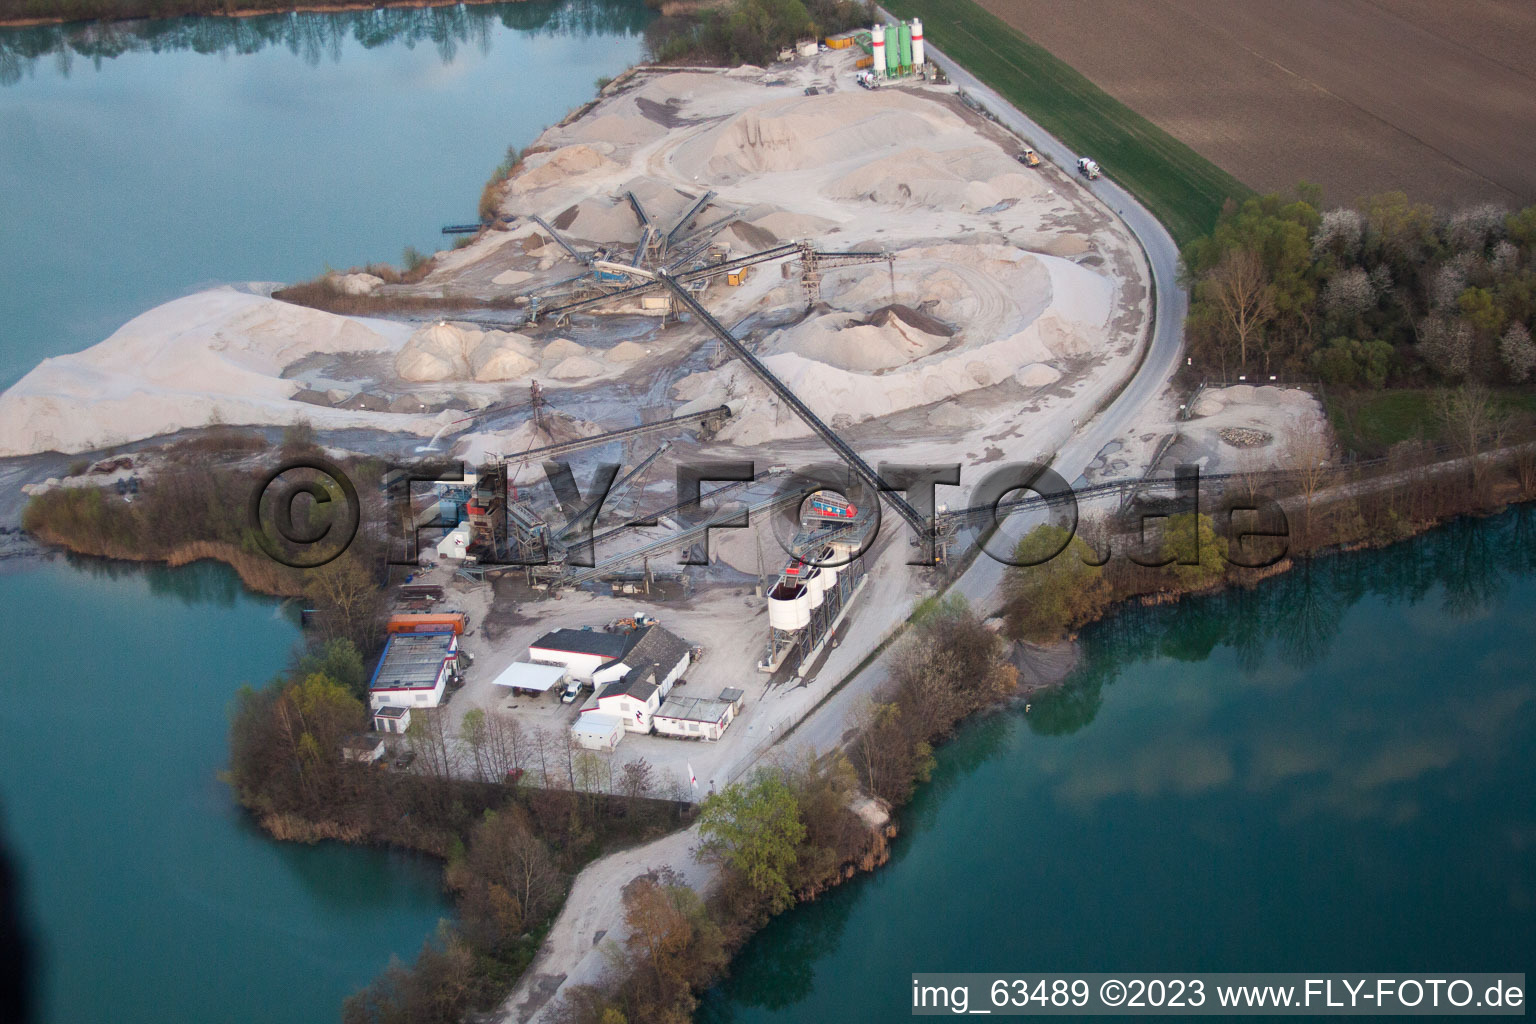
point(456, 544)
point(697, 718)
point(413, 670)
point(391, 718)
point(595, 730)
point(602, 658)
point(583, 651)
point(362, 749)
point(633, 701)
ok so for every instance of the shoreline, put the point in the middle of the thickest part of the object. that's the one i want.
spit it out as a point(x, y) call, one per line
point(826, 708)
point(249, 12)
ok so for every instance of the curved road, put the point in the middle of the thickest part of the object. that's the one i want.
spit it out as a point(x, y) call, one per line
point(980, 583)
point(572, 948)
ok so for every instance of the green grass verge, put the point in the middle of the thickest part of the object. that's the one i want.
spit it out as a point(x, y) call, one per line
point(1182, 189)
point(1369, 422)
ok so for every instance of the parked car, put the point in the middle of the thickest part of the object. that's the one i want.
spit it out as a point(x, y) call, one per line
point(571, 692)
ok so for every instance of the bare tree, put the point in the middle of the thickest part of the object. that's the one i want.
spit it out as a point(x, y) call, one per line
point(1307, 453)
point(1473, 423)
point(635, 779)
point(505, 746)
point(435, 750)
point(1241, 290)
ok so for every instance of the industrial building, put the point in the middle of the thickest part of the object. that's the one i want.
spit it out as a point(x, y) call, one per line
point(634, 701)
point(601, 658)
point(414, 670)
point(697, 718)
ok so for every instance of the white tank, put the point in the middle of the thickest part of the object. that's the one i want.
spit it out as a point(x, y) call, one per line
point(917, 43)
point(877, 45)
point(789, 606)
point(832, 563)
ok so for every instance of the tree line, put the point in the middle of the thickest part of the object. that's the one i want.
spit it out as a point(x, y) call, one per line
point(750, 31)
point(1387, 292)
point(1061, 580)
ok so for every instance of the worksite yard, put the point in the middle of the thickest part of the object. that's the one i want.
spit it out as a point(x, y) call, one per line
point(1359, 96)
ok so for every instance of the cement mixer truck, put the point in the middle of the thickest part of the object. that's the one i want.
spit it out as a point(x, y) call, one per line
point(1087, 167)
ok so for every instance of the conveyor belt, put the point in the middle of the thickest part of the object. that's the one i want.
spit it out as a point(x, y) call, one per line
point(855, 462)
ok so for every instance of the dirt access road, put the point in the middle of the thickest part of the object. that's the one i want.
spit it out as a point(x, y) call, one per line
point(1361, 96)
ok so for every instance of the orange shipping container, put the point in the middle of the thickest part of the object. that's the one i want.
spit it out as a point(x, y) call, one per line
point(427, 623)
point(864, 62)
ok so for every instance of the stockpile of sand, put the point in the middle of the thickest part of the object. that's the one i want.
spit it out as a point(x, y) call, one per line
point(560, 166)
point(445, 351)
point(600, 221)
point(789, 227)
point(562, 348)
point(213, 356)
point(958, 180)
point(852, 372)
point(612, 128)
point(575, 368)
point(884, 342)
point(625, 352)
point(804, 132)
point(481, 446)
point(501, 356)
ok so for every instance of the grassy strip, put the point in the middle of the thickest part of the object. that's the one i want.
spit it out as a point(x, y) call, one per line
point(1182, 189)
point(1370, 422)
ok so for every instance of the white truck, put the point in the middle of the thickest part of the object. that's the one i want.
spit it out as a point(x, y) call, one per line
point(1087, 167)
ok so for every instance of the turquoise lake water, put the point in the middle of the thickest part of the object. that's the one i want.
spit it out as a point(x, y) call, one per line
point(1333, 772)
point(216, 150)
point(140, 163)
point(154, 899)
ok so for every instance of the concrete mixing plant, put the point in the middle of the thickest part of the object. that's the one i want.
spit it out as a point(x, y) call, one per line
point(896, 51)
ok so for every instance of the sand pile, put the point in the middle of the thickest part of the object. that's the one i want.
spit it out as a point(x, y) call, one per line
point(560, 166)
point(445, 351)
point(501, 356)
point(575, 368)
point(625, 352)
point(482, 446)
point(599, 221)
point(884, 343)
point(215, 355)
point(612, 128)
point(803, 132)
point(850, 370)
point(788, 227)
point(956, 180)
point(562, 348)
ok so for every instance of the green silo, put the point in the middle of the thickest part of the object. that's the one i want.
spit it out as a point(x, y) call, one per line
point(892, 56)
point(906, 45)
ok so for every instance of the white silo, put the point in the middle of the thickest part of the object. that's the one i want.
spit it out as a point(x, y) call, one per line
point(917, 43)
point(877, 45)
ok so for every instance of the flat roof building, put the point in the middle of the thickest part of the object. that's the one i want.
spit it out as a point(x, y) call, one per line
point(413, 670)
point(699, 718)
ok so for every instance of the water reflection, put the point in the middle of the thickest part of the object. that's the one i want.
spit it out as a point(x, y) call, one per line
point(313, 36)
point(1294, 619)
point(204, 583)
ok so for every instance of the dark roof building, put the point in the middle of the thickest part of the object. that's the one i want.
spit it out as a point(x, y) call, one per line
point(652, 646)
point(585, 641)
